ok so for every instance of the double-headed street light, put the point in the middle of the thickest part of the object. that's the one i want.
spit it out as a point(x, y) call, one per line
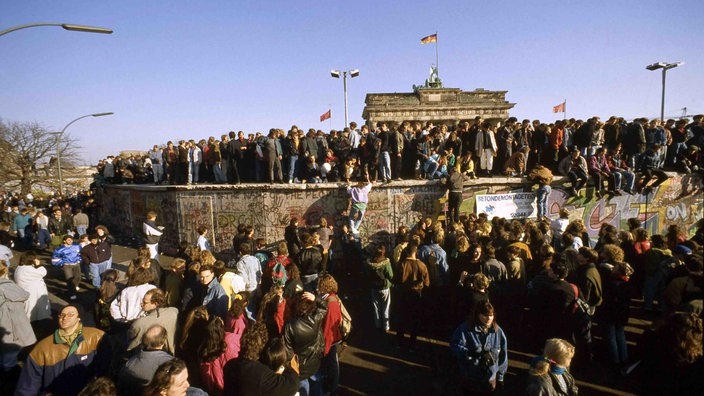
point(665, 67)
point(352, 73)
point(58, 145)
point(66, 26)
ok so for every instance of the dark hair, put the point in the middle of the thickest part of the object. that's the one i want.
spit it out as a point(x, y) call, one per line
point(162, 377)
point(108, 288)
point(201, 229)
point(483, 307)
point(274, 354)
point(301, 305)
point(245, 248)
point(213, 344)
point(589, 254)
point(28, 258)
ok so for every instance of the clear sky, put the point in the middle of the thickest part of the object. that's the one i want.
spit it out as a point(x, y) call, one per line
point(176, 69)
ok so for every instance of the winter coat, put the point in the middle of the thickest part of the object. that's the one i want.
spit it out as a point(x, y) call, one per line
point(13, 319)
point(31, 278)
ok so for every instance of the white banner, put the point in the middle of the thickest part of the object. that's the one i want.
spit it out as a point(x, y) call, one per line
point(510, 206)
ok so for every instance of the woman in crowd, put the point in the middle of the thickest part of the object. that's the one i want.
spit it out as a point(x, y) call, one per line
point(108, 291)
point(272, 311)
point(549, 373)
point(29, 275)
point(216, 349)
point(302, 336)
point(247, 375)
point(17, 331)
point(380, 275)
point(330, 366)
point(481, 350)
point(616, 310)
point(171, 379)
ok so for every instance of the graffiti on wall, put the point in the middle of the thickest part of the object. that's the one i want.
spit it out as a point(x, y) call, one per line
point(677, 201)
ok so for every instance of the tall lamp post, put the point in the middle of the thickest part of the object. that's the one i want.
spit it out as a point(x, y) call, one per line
point(58, 147)
point(352, 73)
point(665, 67)
point(65, 26)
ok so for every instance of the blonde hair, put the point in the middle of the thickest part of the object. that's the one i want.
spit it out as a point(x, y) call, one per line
point(557, 351)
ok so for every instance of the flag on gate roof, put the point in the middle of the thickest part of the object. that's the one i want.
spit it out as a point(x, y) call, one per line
point(325, 116)
point(559, 108)
point(433, 38)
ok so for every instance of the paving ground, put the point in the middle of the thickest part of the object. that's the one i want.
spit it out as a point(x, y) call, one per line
point(372, 364)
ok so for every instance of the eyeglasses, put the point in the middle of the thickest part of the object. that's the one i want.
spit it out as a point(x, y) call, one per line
point(67, 315)
point(146, 302)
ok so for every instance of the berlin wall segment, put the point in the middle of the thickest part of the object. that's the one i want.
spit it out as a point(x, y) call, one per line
point(268, 208)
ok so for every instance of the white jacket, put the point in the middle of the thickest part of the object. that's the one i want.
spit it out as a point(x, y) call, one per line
point(128, 305)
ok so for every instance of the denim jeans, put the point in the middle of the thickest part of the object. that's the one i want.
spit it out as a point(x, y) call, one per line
point(96, 269)
point(381, 300)
point(385, 165)
point(292, 167)
point(623, 179)
point(44, 238)
point(194, 174)
point(616, 341)
point(542, 195)
point(355, 212)
point(652, 289)
point(310, 386)
point(217, 171)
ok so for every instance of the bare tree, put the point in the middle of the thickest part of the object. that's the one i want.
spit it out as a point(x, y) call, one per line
point(26, 144)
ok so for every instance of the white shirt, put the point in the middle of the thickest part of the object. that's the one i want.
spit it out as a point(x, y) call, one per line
point(128, 305)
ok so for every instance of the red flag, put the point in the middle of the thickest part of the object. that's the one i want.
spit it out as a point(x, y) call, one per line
point(433, 38)
point(559, 108)
point(325, 116)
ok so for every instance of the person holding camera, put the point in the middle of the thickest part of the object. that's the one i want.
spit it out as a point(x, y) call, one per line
point(480, 347)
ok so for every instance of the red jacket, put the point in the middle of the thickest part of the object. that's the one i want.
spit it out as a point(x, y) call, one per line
point(331, 325)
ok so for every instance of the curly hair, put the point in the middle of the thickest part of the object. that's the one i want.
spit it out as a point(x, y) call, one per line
point(206, 257)
point(556, 351)
point(253, 340)
point(327, 284)
point(612, 253)
point(682, 338)
point(541, 175)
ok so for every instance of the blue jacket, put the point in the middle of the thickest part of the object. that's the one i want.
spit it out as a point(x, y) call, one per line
point(468, 345)
point(66, 255)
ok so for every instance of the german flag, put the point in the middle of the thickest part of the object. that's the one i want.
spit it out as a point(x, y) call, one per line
point(433, 38)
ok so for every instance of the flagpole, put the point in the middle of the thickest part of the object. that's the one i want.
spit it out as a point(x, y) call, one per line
point(437, 61)
point(330, 119)
point(564, 111)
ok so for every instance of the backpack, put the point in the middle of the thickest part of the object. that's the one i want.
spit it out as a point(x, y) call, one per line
point(345, 322)
point(278, 274)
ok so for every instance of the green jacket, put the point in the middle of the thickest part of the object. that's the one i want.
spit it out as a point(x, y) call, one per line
point(380, 274)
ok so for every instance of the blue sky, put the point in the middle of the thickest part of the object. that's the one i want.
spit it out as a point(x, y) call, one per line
point(192, 69)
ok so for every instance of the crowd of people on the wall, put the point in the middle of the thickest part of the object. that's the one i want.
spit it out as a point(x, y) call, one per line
point(270, 321)
point(611, 151)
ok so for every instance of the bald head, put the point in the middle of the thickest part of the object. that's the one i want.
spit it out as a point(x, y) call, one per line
point(154, 338)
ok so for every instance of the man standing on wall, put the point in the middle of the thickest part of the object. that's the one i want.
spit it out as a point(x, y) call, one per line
point(152, 234)
point(360, 198)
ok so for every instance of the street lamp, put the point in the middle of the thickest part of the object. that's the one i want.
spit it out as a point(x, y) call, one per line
point(336, 74)
point(665, 67)
point(58, 147)
point(66, 26)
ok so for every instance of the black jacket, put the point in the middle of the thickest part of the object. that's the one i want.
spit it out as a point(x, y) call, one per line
point(310, 261)
point(247, 377)
point(303, 335)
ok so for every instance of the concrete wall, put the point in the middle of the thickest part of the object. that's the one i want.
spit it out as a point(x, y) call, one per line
point(268, 208)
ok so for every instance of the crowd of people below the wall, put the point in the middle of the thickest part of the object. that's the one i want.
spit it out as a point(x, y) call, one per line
point(612, 150)
point(272, 321)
